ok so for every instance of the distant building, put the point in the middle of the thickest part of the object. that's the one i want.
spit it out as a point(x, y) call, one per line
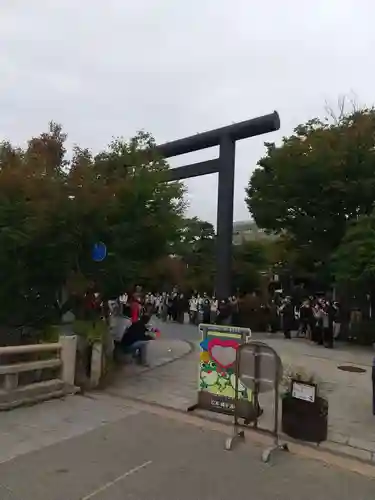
point(248, 231)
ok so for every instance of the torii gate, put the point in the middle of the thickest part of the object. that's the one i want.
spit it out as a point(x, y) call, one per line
point(225, 138)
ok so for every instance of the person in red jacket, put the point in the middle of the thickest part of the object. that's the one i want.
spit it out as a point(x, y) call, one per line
point(135, 309)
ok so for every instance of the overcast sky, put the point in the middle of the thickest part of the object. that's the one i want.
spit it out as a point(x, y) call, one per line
point(107, 68)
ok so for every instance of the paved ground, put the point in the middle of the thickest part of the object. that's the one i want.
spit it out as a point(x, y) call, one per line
point(106, 446)
point(160, 352)
point(24, 430)
point(178, 331)
point(351, 423)
point(141, 455)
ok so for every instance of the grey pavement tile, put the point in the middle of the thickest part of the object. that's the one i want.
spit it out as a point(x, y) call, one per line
point(37, 426)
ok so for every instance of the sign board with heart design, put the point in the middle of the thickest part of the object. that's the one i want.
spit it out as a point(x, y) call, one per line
point(223, 352)
point(217, 374)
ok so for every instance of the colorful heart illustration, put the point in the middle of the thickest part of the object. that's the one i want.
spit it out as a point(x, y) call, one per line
point(204, 345)
point(223, 352)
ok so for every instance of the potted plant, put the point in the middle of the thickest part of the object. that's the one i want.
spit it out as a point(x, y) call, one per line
point(304, 409)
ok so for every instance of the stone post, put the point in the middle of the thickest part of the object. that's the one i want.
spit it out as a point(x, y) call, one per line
point(96, 364)
point(68, 358)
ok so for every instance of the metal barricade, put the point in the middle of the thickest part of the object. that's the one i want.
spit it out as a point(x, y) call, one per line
point(258, 368)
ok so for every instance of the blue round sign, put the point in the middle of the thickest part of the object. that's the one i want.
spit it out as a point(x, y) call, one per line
point(99, 252)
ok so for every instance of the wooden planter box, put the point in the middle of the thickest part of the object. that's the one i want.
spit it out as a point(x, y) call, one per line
point(304, 420)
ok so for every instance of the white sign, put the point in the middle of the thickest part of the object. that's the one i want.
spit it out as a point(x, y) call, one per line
point(306, 392)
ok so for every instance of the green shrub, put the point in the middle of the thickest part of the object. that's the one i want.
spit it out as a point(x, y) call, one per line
point(362, 332)
point(50, 334)
point(92, 331)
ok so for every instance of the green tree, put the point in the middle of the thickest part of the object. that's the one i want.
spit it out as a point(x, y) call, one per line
point(250, 261)
point(353, 266)
point(53, 210)
point(191, 261)
point(195, 237)
point(196, 248)
point(141, 216)
point(354, 260)
point(166, 273)
point(30, 182)
point(315, 182)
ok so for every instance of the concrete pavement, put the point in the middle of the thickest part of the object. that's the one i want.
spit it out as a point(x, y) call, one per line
point(30, 428)
point(159, 352)
point(174, 385)
point(351, 423)
point(178, 331)
point(106, 445)
point(145, 456)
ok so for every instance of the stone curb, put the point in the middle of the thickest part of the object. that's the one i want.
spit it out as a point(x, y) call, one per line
point(191, 348)
point(352, 447)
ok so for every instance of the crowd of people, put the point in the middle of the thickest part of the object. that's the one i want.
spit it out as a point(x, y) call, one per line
point(173, 306)
point(316, 318)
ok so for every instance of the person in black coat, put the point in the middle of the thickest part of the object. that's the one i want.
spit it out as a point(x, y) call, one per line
point(224, 313)
point(288, 317)
point(306, 318)
point(206, 306)
point(135, 339)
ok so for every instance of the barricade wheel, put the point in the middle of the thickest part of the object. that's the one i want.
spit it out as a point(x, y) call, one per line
point(228, 443)
point(266, 455)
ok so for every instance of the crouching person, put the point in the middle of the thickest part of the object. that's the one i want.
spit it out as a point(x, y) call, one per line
point(135, 340)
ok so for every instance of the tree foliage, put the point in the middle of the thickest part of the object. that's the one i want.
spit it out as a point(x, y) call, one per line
point(320, 178)
point(196, 249)
point(53, 209)
point(191, 264)
point(191, 260)
point(354, 259)
point(250, 260)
